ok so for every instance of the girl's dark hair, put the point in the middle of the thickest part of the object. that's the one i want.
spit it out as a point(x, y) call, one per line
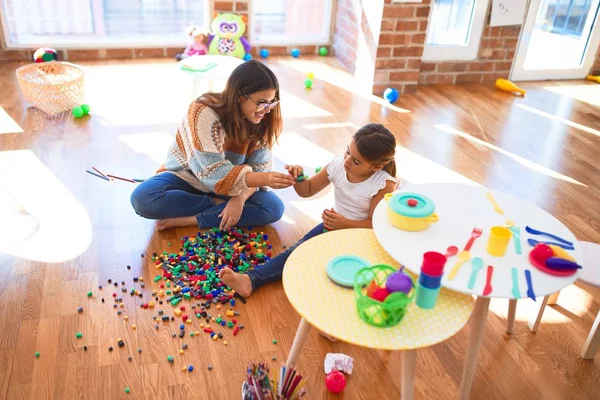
point(247, 78)
point(377, 144)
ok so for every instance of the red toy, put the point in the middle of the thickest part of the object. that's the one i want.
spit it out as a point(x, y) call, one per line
point(335, 382)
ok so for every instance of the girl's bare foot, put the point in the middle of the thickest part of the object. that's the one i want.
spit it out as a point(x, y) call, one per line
point(167, 223)
point(239, 282)
point(331, 338)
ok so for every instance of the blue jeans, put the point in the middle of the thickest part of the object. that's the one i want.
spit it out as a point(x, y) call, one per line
point(168, 196)
point(272, 270)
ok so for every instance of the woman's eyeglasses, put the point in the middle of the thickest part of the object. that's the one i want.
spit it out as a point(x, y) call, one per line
point(263, 106)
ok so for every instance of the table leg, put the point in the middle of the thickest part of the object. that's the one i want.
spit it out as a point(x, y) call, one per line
point(482, 306)
point(553, 298)
point(534, 320)
point(592, 344)
point(299, 340)
point(407, 387)
point(196, 91)
point(512, 310)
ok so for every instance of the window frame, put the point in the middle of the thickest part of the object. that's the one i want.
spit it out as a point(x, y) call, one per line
point(151, 42)
point(432, 52)
point(282, 41)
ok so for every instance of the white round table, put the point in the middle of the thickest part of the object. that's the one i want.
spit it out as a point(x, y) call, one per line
point(199, 67)
point(460, 209)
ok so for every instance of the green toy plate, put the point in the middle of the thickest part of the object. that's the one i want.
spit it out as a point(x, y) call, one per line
point(342, 269)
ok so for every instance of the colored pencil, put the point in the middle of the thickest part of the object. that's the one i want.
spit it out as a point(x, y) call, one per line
point(98, 171)
point(95, 174)
point(123, 179)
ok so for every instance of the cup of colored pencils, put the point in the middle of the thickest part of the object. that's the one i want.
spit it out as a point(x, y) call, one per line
point(288, 385)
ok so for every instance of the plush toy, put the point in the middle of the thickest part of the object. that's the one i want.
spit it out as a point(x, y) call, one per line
point(196, 46)
point(226, 37)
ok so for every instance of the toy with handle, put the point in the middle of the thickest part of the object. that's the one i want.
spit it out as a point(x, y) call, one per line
point(533, 242)
point(488, 281)
point(536, 232)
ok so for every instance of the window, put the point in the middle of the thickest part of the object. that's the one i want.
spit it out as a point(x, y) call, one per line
point(284, 22)
point(454, 29)
point(114, 23)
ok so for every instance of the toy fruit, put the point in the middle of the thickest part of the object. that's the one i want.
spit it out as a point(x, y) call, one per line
point(541, 252)
point(398, 282)
point(372, 288)
point(335, 381)
point(560, 252)
point(410, 211)
point(379, 294)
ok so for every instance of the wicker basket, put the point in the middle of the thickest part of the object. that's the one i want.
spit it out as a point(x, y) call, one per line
point(381, 314)
point(53, 87)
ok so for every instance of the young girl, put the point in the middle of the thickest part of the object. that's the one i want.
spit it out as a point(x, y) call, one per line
point(360, 179)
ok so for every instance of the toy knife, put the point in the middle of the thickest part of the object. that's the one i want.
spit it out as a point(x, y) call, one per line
point(533, 242)
point(537, 232)
point(515, 284)
point(530, 292)
point(488, 281)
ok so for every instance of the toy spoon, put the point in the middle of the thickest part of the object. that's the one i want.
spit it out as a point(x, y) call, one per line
point(463, 257)
point(476, 264)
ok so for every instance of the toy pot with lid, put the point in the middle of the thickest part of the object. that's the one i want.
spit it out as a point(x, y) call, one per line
point(410, 211)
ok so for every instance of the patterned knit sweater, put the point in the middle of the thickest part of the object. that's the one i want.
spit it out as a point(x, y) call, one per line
point(203, 156)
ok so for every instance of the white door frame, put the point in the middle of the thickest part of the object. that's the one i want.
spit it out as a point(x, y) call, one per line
point(518, 73)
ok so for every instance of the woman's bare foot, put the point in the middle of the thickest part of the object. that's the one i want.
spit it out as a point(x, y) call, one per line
point(331, 338)
point(239, 282)
point(167, 223)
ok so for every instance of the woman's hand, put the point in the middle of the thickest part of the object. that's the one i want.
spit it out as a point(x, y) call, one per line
point(278, 180)
point(275, 180)
point(232, 212)
point(295, 170)
point(333, 220)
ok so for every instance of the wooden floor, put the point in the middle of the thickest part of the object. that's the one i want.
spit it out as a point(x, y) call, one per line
point(544, 147)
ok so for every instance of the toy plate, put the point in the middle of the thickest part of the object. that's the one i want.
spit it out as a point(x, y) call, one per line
point(342, 269)
point(555, 272)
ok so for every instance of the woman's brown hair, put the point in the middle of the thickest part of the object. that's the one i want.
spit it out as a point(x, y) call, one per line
point(247, 78)
point(378, 145)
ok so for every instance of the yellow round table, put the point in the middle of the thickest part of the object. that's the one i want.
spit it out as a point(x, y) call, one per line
point(332, 308)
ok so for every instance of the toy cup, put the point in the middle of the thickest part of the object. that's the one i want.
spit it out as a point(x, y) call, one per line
point(426, 298)
point(433, 263)
point(430, 282)
point(498, 241)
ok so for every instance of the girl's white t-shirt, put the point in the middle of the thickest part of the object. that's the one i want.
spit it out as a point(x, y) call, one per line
point(353, 200)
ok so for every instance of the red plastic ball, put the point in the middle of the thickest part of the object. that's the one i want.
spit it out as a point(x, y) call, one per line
point(335, 381)
point(412, 202)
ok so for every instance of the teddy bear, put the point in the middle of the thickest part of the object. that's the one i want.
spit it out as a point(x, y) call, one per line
point(196, 44)
point(226, 38)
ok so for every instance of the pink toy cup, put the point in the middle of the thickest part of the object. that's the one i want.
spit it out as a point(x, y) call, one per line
point(433, 263)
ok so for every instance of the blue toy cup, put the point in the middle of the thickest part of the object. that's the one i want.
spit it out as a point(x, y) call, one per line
point(430, 282)
point(426, 298)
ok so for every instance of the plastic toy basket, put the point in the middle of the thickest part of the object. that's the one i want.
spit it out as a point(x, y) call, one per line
point(377, 313)
point(53, 87)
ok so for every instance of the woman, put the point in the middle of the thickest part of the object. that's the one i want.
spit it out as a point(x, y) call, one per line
point(220, 159)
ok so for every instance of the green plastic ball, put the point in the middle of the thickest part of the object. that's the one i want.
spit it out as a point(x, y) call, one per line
point(308, 83)
point(85, 108)
point(77, 112)
point(323, 51)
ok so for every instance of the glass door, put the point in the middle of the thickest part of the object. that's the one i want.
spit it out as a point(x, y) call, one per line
point(559, 40)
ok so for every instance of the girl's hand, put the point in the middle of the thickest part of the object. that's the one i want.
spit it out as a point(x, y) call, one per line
point(333, 220)
point(278, 180)
point(295, 170)
point(232, 213)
